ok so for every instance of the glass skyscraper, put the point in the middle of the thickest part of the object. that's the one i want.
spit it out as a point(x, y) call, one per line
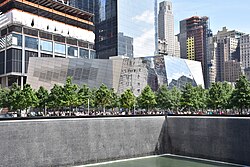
point(125, 28)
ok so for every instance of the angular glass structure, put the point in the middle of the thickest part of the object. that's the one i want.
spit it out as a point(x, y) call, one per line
point(120, 74)
point(125, 28)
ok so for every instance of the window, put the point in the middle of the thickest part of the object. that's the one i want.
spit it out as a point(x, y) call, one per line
point(46, 46)
point(60, 48)
point(17, 39)
point(72, 51)
point(84, 53)
point(92, 54)
point(31, 43)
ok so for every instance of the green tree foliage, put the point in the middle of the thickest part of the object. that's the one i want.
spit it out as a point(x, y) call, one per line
point(4, 101)
point(115, 100)
point(69, 94)
point(29, 97)
point(188, 98)
point(175, 98)
point(127, 99)
point(147, 98)
point(164, 98)
point(241, 94)
point(103, 96)
point(42, 95)
point(15, 99)
point(219, 95)
point(55, 97)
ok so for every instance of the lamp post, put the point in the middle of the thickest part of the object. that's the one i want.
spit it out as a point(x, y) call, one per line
point(88, 106)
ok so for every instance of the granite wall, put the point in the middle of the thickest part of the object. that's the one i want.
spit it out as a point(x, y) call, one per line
point(63, 142)
point(217, 138)
point(76, 141)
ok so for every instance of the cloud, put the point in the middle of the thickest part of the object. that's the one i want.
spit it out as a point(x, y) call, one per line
point(144, 45)
point(146, 17)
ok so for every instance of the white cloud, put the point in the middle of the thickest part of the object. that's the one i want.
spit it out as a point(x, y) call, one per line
point(147, 17)
point(144, 44)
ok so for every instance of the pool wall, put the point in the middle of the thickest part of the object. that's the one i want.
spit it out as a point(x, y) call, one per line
point(68, 142)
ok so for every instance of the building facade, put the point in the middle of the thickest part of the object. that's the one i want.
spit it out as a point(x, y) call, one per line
point(245, 51)
point(193, 37)
point(166, 26)
point(135, 21)
point(118, 73)
point(233, 70)
point(228, 48)
point(32, 29)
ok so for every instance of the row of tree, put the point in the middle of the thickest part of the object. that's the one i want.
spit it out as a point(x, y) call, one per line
point(219, 96)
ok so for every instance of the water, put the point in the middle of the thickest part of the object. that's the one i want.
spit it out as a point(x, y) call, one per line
point(163, 161)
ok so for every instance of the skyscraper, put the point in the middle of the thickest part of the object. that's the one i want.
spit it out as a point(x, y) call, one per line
point(166, 26)
point(134, 20)
point(228, 48)
point(193, 38)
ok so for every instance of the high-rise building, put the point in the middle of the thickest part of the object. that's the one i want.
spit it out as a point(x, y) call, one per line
point(177, 52)
point(135, 20)
point(194, 32)
point(211, 59)
point(245, 51)
point(30, 28)
point(233, 70)
point(227, 49)
point(166, 26)
point(85, 5)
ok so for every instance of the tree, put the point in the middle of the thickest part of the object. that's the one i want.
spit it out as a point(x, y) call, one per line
point(188, 98)
point(103, 96)
point(15, 99)
point(147, 98)
point(29, 97)
point(175, 98)
point(4, 101)
point(115, 100)
point(55, 96)
point(86, 96)
point(42, 95)
point(219, 95)
point(69, 94)
point(127, 99)
point(201, 98)
point(163, 98)
point(241, 94)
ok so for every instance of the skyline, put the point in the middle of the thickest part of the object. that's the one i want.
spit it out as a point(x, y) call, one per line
point(225, 13)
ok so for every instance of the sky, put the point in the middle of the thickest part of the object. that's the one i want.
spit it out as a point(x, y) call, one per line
point(232, 14)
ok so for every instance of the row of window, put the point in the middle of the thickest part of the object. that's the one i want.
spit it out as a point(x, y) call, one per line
point(47, 46)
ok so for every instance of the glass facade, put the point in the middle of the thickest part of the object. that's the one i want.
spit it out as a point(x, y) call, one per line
point(60, 48)
point(86, 5)
point(84, 53)
point(31, 42)
point(72, 51)
point(46, 46)
point(17, 40)
point(125, 27)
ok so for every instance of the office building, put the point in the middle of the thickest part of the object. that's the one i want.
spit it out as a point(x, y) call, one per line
point(31, 28)
point(134, 20)
point(118, 73)
point(245, 51)
point(233, 70)
point(194, 32)
point(166, 26)
point(228, 48)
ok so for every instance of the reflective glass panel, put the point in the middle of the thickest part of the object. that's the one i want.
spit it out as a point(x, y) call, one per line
point(46, 46)
point(31, 42)
point(92, 54)
point(60, 48)
point(84, 53)
point(178, 72)
point(136, 30)
point(72, 51)
point(17, 39)
point(2, 42)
